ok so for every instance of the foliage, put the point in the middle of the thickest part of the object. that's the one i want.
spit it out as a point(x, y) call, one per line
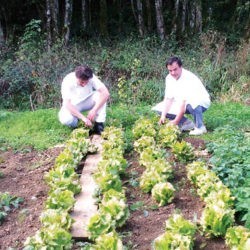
point(133, 69)
point(168, 135)
point(215, 220)
point(179, 234)
point(238, 237)
point(55, 220)
point(8, 202)
point(55, 237)
point(108, 241)
point(183, 151)
point(231, 161)
point(163, 193)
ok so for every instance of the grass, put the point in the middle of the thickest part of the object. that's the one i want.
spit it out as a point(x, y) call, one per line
point(24, 130)
point(41, 129)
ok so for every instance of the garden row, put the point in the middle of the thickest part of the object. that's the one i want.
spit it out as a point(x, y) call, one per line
point(217, 219)
point(64, 184)
point(112, 208)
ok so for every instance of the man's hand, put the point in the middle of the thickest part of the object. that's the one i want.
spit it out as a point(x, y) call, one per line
point(173, 122)
point(87, 122)
point(162, 120)
point(92, 114)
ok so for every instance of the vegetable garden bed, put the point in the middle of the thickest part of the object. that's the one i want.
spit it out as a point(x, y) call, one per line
point(23, 178)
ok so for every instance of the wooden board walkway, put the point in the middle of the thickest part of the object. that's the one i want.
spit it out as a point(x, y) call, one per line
point(85, 205)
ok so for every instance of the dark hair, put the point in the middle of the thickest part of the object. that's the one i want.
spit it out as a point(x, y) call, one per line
point(83, 72)
point(173, 59)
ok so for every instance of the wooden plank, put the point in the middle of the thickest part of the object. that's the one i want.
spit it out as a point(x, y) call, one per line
point(85, 206)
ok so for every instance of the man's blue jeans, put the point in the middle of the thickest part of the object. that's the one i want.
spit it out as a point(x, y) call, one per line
point(197, 114)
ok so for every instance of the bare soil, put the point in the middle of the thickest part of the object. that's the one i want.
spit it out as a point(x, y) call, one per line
point(23, 177)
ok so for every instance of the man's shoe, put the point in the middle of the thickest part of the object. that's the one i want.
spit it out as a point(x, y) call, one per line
point(198, 131)
point(187, 125)
point(98, 128)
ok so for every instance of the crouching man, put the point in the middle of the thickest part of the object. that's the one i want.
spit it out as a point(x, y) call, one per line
point(82, 91)
point(184, 94)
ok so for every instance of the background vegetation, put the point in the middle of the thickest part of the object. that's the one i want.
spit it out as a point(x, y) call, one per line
point(126, 43)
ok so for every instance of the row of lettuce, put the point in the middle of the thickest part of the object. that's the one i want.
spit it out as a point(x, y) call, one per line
point(113, 210)
point(150, 143)
point(217, 219)
point(64, 184)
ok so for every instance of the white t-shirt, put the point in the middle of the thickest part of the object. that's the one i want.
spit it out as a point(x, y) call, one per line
point(189, 88)
point(71, 90)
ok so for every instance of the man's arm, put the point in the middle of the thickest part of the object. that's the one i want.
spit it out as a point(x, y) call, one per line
point(180, 113)
point(78, 114)
point(104, 95)
point(167, 103)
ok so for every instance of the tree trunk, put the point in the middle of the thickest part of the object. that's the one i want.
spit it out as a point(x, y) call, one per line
point(84, 15)
point(67, 20)
point(159, 19)
point(2, 40)
point(149, 16)
point(55, 16)
point(103, 18)
point(140, 18)
point(183, 16)
point(48, 24)
point(133, 11)
point(119, 9)
point(176, 15)
point(198, 21)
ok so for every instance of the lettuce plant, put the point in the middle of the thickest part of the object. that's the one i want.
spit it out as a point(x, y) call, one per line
point(144, 142)
point(183, 151)
point(49, 238)
point(58, 217)
point(99, 224)
point(106, 181)
point(215, 220)
point(238, 238)
point(57, 178)
point(143, 127)
point(149, 178)
point(163, 193)
point(148, 155)
point(58, 198)
point(161, 166)
point(178, 224)
point(168, 135)
point(108, 241)
point(117, 208)
point(195, 169)
point(113, 165)
point(179, 234)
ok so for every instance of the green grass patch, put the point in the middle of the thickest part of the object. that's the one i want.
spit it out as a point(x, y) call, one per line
point(219, 115)
point(39, 129)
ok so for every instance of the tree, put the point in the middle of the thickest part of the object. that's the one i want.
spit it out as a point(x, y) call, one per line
point(103, 18)
point(159, 19)
point(67, 20)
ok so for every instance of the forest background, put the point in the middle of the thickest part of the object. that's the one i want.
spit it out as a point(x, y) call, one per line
point(126, 43)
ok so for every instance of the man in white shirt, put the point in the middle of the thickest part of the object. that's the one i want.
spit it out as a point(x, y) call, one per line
point(82, 91)
point(184, 94)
